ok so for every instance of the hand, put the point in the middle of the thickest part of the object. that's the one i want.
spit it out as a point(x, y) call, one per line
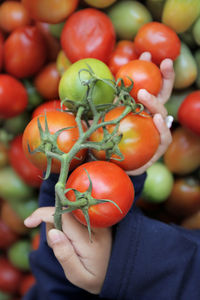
point(155, 106)
point(84, 262)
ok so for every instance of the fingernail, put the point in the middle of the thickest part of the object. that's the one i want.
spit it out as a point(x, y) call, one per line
point(169, 121)
point(55, 236)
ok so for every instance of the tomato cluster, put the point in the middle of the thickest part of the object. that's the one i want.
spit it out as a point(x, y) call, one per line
point(43, 46)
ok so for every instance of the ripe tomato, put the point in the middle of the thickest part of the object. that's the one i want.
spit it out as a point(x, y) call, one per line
point(7, 236)
point(189, 112)
point(1, 49)
point(184, 199)
point(139, 142)
point(27, 282)
point(145, 75)
point(22, 166)
point(24, 52)
point(88, 33)
point(182, 156)
point(13, 15)
point(124, 52)
point(56, 120)
point(35, 242)
point(13, 101)
point(47, 81)
point(10, 276)
point(50, 11)
point(46, 106)
point(158, 39)
point(70, 86)
point(109, 181)
point(62, 62)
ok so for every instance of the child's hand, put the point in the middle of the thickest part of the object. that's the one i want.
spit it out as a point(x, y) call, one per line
point(155, 105)
point(84, 262)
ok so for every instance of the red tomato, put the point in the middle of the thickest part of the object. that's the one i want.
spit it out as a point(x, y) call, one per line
point(109, 181)
point(7, 236)
point(88, 33)
point(124, 52)
point(27, 282)
point(139, 142)
point(56, 120)
point(50, 11)
point(158, 39)
point(13, 101)
point(189, 112)
point(24, 52)
point(145, 75)
point(184, 199)
point(10, 276)
point(47, 80)
point(1, 49)
point(13, 15)
point(35, 241)
point(182, 156)
point(22, 166)
point(46, 106)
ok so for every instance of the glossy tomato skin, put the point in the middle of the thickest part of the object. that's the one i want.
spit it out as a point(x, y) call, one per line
point(10, 276)
point(47, 81)
point(56, 120)
point(184, 199)
point(124, 52)
point(13, 15)
point(145, 75)
point(182, 156)
point(13, 101)
point(109, 181)
point(88, 33)
point(158, 39)
point(24, 52)
point(189, 112)
point(7, 236)
point(50, 105)
point(23, 167)
point(50, 11)
point(139, 142)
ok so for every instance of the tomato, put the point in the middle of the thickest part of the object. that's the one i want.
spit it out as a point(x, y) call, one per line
point(35, 242)
point(5, 296)
point(70, 86)
point(12, 220)
point(3, 155)
point(139, 142)
point(62, 62)
point(56, 120)
point(13, 15)
point(192, 221)
point(7, 236)
point(184, 199)
point(182, 156)
point(50, 105)
point(50, 11)
point(1, 49)
point(109, 181)
point(158, 39)
point(34, 98)
point(189, 112)
point(25, 208)
point(22, 166)
point(10, 276)
point(47, 81)
point(124, 52)
point(27, 282)
point(18, 254)
point(16, 125)
point(88, 33)
point(13, 101)
point(100, 3)
point(145, 75)
point(24, 52)
point(127, 17)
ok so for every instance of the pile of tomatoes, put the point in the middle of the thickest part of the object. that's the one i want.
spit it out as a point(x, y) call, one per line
point(42, 42)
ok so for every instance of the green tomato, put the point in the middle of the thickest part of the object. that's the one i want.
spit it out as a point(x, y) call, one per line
point(12, 187)
point(16, 125)
point(70, 86)
point(26, 208)
point(196, 31)
point(5, 296)
point(197, 59)
point(34, 98)
point(56, 29)
point(127, 18)
point(185, 68)
point(158, 184)
point(18, 254)
point(155, 7)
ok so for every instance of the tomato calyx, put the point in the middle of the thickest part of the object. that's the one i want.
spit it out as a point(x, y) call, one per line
point(83, 201)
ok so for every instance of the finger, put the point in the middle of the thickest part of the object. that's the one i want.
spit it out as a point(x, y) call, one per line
point(49, 226)
point(42, 214)
point(168, 74)
point(67, 257)
point(145, 56)
point(151, 103)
